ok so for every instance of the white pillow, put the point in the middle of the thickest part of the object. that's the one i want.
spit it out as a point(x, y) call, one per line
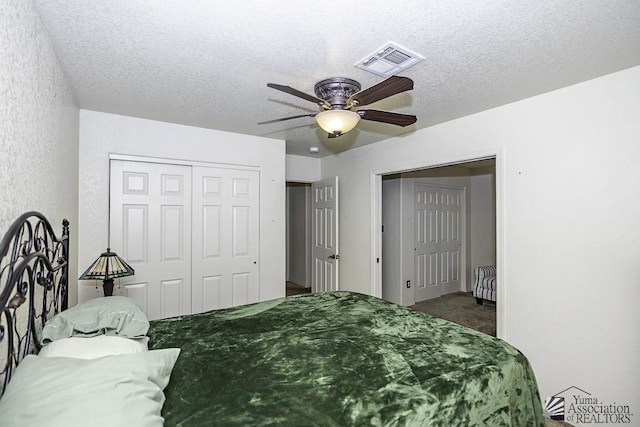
point(93, 347)
point(110, 391)
point(115, 315)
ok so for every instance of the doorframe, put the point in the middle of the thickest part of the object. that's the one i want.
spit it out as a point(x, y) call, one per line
point(376, 227)
point(192, 164)
point(179, 162)
point(308, 238)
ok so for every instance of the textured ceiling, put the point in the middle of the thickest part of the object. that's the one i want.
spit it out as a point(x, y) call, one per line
point(206, 63)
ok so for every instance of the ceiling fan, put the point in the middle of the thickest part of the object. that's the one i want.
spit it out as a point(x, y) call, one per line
point(338, 98)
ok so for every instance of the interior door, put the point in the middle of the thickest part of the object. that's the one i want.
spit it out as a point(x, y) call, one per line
point(150, 228)
point(450, 239)
point(426, 243)
point(326, 259)
point(437, 238)
point(226, 237)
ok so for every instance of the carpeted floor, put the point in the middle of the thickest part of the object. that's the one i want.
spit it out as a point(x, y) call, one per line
point(295, 289)
point(461, 308)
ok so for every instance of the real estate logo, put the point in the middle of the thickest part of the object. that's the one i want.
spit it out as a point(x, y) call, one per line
point(576, 405)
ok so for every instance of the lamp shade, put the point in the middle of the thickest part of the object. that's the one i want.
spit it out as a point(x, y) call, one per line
point(107, 266)
point(337, 122)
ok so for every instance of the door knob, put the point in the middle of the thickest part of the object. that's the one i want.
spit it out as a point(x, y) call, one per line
point(334, 256)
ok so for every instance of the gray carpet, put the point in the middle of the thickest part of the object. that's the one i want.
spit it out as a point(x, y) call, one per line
point(461, 308)
point(295, 289)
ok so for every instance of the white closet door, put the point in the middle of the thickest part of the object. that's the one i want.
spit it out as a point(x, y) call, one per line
point(150, 220)
point(225, 237)
point(450, 240)
point(438, 241)
point(427, 243)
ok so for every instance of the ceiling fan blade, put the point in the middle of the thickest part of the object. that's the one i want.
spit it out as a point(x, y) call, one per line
point(299, 94)
point(287, 118)
point(386, 88)
point(387, 117)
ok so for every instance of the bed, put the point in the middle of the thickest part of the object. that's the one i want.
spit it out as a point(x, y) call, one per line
point(326, 359)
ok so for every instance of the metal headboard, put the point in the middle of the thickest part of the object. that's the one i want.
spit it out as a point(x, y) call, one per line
point(34, 271)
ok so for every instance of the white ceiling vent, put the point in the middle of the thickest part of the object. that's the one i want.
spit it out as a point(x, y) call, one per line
point(390, 59)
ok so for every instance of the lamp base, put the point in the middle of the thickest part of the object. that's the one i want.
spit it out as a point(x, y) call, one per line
point(107, 287)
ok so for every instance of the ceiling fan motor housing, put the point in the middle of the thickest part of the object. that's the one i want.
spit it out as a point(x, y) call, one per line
point(337, 90)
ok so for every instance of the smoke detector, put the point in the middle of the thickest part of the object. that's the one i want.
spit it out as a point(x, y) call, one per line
point(389, 59)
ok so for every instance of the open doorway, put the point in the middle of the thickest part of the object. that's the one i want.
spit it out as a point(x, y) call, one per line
point(298, 238)
point(438, 225)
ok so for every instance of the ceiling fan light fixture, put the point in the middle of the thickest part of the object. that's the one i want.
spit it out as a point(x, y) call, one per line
point(337, 122)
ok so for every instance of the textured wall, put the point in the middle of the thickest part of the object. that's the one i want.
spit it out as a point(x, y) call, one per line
point(38, 124)
point(483, 218)
point(567, 204)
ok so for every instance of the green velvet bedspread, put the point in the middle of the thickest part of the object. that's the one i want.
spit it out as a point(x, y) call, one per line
point(341, 359)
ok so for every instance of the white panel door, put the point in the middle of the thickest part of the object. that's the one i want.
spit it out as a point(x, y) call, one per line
point(437, 241)
point(450, 239)
point(150, 228)
point(325, 235)
point(427, 243)
point(225, 237)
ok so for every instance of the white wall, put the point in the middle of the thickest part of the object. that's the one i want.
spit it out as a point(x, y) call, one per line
point(102, 134)
point(569, 213)
point(483, 218)
point(302, 168)
point(38, 127)
point(392, 254)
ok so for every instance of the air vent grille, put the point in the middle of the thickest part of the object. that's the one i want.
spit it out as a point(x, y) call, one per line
point(389, 59)
point(397, 57)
